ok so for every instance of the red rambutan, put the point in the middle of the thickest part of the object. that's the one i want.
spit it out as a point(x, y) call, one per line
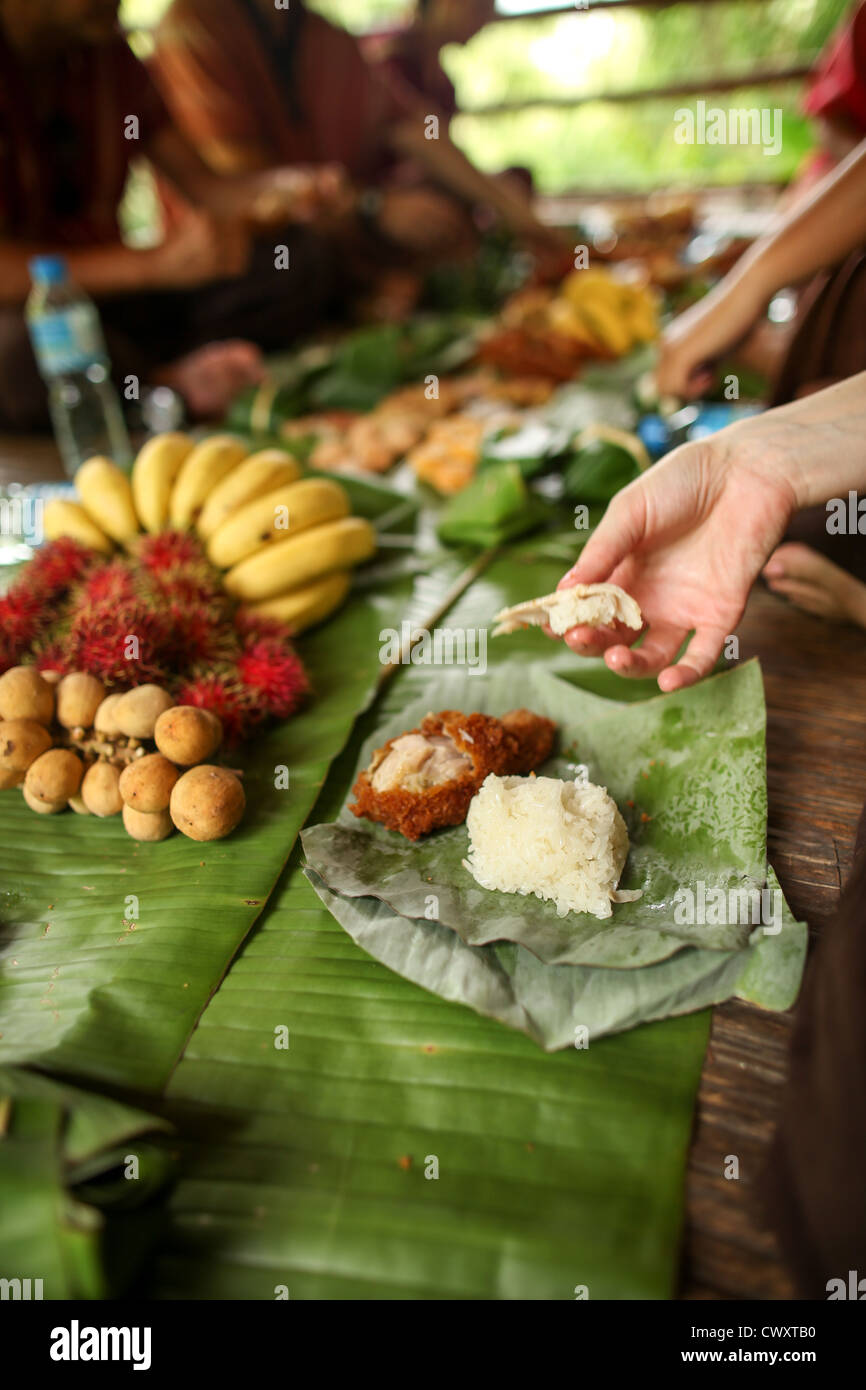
point(56, 566)
point(21, 616)
point(273, 674)
point(252, 627)
point(123, 645)
point(188, 584)
point(50, 656)
point(222, 694)
point(169, 549)
point(107, 585)
point(198, 633)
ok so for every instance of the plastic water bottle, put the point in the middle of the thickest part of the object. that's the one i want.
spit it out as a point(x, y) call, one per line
point(70, 351)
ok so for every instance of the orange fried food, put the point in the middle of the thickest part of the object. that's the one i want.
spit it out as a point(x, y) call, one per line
point(425, 779)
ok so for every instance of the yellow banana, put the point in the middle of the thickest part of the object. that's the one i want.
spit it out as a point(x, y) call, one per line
point(583, 286)
point(607, 325)
point(311, 604)
point(276, 516)
point(257, 475)
point(643, 321)
point(336, 545)
point(563, 318)
point(106, 496)
point(199, 474)
point(153, 476)
point(62, 518)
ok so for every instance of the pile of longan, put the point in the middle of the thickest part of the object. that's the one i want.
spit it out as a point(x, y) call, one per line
point(65, 742)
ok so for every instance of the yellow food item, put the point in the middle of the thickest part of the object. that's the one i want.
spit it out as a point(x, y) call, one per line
point(448, 457)
point(564, 318)
point(54, 776)
point(289, 564)
point(207, 802)
point(153, 477)
point(62, 518)
point(254, 477)
point(185, 734)
point(106, 495)
point(270, 520)
point(595, 307)
point(100, 792)
point(25, 694)
point(311, 604)
point(78, 698)
point(147, 827)
point(607, 324)
point(200, 472)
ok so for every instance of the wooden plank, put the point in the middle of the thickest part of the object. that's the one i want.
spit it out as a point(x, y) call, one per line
point(761, 77)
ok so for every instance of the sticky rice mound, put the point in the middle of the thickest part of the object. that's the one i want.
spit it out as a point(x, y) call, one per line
point(565, 842)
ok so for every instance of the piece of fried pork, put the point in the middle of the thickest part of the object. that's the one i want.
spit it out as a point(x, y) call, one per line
point(425, 779)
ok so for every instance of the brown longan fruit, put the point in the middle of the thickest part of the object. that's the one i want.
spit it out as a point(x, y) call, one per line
point(78, 698)
point(146, 784)
point(104, 721)
point(77, 805)
point(25, 694)
point(54, 776)
point(147, 827)
point(22, 741)
point(42, 808)
point(100, 790)
point(187, 734)
point(207, 802)
point(137, 711)
point(10, 779)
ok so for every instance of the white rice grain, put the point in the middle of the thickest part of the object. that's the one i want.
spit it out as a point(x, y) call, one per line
point(565, 842)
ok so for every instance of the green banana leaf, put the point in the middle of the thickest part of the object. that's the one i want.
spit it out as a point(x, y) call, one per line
point(598, 471)
point(110, 949)
point(53, 1137)
point(495, 507)
point(310, 1169)
point(305, 1169)
point(553, 1004)
point(696, 815)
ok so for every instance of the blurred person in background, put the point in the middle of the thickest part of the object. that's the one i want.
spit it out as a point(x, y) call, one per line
point(836, 96)
point(411, 56)
point(192, 312)
point(252, 85)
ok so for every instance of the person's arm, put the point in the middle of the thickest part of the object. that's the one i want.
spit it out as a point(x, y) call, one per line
point(451, 168)
point(809, 237)
point(106, 269)
point(288, 194)
point(689, 537)
point(196, 251)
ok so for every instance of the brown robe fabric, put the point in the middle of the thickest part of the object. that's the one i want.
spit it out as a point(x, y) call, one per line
point(813, 1184)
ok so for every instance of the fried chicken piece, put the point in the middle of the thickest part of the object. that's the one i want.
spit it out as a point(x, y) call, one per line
point(425, 779)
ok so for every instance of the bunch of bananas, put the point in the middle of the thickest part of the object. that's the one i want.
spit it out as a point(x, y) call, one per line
point(288, 543)
point(607, 316)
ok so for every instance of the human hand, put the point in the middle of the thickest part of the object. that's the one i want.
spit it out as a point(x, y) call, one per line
point(687, 540)
point(420, 219)
point(695, 340)
point(198, 249)
point(297, 193)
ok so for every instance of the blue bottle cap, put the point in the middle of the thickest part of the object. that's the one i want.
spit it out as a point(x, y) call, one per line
point(48, 270)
